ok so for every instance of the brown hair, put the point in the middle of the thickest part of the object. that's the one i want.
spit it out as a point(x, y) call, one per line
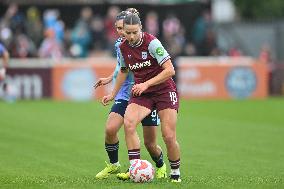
point(132, 19)
point(121, 15)
point(133, 10)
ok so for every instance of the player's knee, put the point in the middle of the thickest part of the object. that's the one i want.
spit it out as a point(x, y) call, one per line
point(169, 138)
point(129, 129)
point(110, 132)
point(128, 122)
point(129, 126)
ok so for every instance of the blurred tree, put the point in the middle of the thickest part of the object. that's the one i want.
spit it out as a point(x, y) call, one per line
point(260, 9)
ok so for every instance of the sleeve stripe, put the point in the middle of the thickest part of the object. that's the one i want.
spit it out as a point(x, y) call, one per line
point(164, 60)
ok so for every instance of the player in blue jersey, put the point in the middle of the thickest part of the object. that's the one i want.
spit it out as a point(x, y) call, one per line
point(5, 57)
point(116, 118)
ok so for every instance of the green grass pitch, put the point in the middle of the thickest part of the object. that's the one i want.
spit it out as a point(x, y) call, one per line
point(224, 144)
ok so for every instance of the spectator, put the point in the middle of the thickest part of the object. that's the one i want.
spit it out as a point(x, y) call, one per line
point(174, 40)
point(34, 25)
point(81, 40)
point(200, 28)
point(152, 23)
point(98, 33)
point(22, 46)
point(208, 46)
point(110, 31)
point(50, 47)
point(81, 34)
point(14, 18)
point(51, 21)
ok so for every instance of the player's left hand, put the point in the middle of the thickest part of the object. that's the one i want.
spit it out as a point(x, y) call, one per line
point(107, 99)
point(138, 89)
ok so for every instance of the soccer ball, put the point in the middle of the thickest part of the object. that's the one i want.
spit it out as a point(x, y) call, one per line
point(141, 171)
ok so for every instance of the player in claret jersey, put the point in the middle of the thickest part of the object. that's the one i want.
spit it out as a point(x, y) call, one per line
point(144, 55)
point(115, 119)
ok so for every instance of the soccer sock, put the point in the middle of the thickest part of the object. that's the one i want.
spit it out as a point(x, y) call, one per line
point(133, 154)
point(112, 152)
point(158, 160)
point(175, 173)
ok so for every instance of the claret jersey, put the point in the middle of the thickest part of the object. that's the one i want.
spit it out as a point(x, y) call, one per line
point(145, 60)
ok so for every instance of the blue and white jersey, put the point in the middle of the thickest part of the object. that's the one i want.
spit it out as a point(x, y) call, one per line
point(2, 50)
point(125, 90)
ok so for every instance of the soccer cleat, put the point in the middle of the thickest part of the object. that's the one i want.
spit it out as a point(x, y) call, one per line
point(175, 180)
point(123, 176)
point(161, 172)
point(109, 169)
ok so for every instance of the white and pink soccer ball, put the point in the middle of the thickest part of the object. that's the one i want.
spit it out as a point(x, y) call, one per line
point(141, 171)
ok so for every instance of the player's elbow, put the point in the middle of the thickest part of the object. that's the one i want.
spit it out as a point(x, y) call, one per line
point(171, 72)
point(169, 68)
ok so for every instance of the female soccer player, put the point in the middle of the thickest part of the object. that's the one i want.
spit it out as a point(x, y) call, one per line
point(144, 55)
point(116, 115)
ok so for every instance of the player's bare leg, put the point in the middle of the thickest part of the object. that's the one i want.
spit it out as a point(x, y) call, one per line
point(155, 151)
point(113, 125)
point(168, 125)
point(150, 134)
point(133, 116)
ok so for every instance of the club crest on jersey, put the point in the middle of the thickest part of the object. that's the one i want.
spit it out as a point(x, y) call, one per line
point(144, 55)
point(129, 56)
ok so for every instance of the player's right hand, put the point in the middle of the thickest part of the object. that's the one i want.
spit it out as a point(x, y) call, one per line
point(107, 99)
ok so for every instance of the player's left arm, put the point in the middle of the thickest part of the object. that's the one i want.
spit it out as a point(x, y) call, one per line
point(157, 50)
point(167, 73)
point(107, 80)
point(104, 81)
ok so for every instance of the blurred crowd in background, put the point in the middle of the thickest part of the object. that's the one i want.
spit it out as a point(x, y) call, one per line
point(32, 33)
point(190, 29)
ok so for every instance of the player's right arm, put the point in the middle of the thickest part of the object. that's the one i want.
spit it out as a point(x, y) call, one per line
point(121, 77)
point(107, 80)
point(103, 81)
